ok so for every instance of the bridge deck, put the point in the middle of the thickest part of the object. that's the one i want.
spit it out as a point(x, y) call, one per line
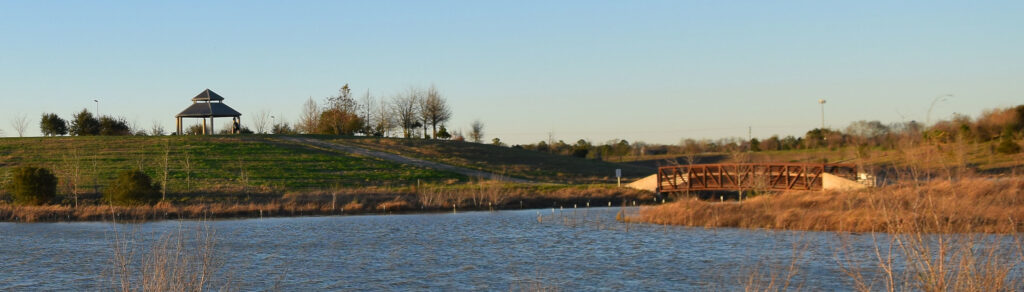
point(749, 176)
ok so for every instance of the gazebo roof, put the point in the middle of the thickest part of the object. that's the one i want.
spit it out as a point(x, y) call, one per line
point(208, 95)
point(209, 109)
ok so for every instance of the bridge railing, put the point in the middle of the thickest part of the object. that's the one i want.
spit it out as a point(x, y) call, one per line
point(749, 176)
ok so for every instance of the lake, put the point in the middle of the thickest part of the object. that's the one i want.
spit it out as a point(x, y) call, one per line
point(570, 249)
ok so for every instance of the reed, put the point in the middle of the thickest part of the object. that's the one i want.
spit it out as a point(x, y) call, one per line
point(987, 205)
point(179, 260)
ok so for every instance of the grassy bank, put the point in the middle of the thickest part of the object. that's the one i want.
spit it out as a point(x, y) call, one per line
point(348, 201)
point(532, 165)
point(990, 205)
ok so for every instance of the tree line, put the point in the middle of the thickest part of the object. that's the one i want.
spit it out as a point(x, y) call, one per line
point(83, 124)
point(415, 113)
point(1005, 126)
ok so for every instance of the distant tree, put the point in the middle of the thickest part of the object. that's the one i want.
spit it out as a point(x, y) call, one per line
point(755, 145)
point(497, 142)
point(20, 124)
point(476, 131)
point(194, 130)
point(157, 129)
point(436, 109)
point(260, 120)
point(424, 115)
point(110, 126)
point(282, 128)
point(52, 125)
point(341, 116)
point(770, 144)
point(581, 149)
point(84, 124)
point(366, 111)
point(406, 113)
point(32, 185)
point(383, 119)
point(310, 117)
point(542, 147)
point(443, 133)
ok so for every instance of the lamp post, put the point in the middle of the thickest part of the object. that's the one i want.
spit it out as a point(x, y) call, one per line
point(273, 121)
point(822, 102)
point(97, 107)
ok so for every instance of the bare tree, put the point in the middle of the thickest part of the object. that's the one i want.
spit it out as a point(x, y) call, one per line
point(424, 115)
point(260, 120)
point(72, 170)
point(436, 109)
point(157, 129)
point(166, 169)
point(187, 163)
point(476, 132)
point(366, 110)
point(310, 117)
point(406, 112)
point(384, 122)
point(20, 124)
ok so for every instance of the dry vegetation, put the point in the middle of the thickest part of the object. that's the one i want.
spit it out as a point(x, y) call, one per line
point(990, 205)
point(479, 196)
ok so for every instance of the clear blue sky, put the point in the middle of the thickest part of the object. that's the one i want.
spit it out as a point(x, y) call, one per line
point(653, 71)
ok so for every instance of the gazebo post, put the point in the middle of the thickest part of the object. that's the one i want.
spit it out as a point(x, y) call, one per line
point(212, 131)
point(204, 126)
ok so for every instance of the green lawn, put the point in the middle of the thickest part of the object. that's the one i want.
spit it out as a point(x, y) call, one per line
point(216, 163)
point(532, 165)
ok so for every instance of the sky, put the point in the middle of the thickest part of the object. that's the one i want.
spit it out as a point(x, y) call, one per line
point(652, 71)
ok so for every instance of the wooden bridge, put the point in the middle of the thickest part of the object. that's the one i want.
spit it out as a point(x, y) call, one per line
point(750, 176)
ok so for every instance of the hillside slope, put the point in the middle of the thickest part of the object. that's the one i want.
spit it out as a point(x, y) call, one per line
point(513, 162)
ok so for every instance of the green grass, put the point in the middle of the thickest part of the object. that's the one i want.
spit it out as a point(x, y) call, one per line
point(532, 165)
point(217, 163)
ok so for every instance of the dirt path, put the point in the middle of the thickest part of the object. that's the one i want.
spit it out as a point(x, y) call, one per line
point(401, 159)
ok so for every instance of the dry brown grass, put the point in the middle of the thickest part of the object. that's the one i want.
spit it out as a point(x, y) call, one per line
point(987, 205)
point(481, 196)
point(179, 260)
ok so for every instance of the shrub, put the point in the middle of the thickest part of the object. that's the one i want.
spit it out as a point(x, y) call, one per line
point(32, 185)
point(132, 187)
point(1006, 143)
point(1008, 146)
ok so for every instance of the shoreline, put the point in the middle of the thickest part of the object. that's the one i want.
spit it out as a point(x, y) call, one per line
point(330, 203)
point(968, 205)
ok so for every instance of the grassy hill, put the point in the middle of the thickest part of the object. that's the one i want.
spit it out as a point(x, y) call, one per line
point(230, 163)
point(521, 163)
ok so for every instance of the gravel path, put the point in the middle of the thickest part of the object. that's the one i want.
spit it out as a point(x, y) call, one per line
point(402, 159)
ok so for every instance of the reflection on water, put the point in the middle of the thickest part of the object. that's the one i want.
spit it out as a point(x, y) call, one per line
point(572, 249)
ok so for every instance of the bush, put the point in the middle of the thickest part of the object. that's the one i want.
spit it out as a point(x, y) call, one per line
point(32, 185)
point(1008, 146)
point(1006, 143)
point(132, 187)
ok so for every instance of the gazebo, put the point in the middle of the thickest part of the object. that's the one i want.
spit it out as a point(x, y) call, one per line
point(209, 104)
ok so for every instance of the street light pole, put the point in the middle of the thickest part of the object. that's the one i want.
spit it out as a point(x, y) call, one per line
point(97, 107)
point(822, 102)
